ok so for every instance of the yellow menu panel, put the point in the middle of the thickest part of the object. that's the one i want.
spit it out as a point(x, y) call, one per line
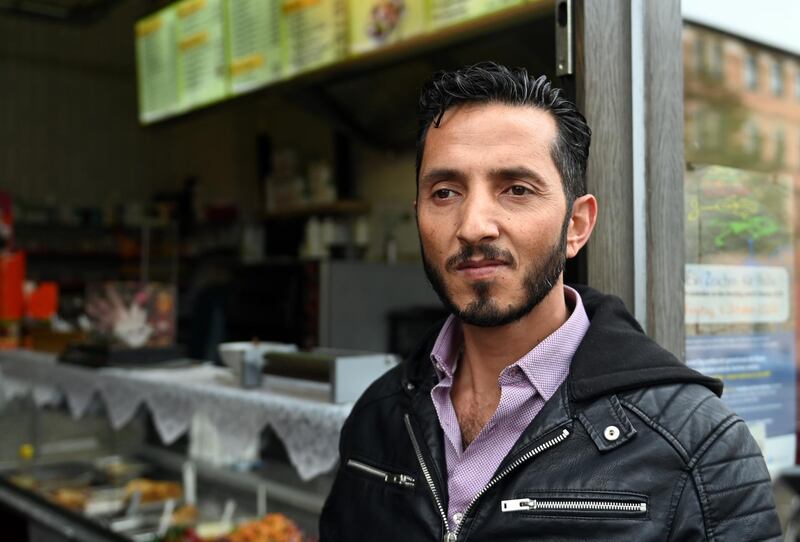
point(315, 33)
point(376, 23)
point(449, 12)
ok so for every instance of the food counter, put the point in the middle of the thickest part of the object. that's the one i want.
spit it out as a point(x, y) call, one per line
point(307, 425)
point(145, 495)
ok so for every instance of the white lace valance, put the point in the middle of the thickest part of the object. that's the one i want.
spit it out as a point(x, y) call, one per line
point(307, 426)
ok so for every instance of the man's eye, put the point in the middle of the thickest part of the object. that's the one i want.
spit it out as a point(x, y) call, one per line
point(443, 193)
point(518, 190)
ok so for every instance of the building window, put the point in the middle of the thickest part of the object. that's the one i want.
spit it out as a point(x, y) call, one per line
point(751, 71)
point(715, 67)
point(797, 82)
point(699, 128)
point(776, 78)
point(780, 146)
point(700, 54)
point(752, 139)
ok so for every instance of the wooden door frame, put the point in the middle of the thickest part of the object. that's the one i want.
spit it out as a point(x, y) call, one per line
point(629, 84)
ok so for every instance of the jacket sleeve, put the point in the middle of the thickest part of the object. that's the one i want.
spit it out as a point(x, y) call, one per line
point(727, 492)
point(330, 518)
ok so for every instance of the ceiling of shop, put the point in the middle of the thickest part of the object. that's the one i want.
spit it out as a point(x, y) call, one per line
point(73, 11)
point(374, 104)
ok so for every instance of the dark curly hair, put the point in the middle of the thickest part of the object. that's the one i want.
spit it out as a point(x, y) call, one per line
point(489, 82)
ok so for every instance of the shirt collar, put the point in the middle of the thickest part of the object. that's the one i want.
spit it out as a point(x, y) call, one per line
point(446, 349)
point(545, 366)
point(548, 363)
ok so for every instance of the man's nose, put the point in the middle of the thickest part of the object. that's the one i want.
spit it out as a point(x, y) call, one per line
point(478, 220)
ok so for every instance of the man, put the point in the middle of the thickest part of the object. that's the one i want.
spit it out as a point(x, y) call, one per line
point(536, 411)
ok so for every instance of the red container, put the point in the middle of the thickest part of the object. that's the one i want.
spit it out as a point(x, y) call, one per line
point(12, 277)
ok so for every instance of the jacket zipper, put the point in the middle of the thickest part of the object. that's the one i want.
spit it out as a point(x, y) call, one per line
point(388, 477)
point(453, 536)
point(516, 505)
point(448, 536)
point(558, 439)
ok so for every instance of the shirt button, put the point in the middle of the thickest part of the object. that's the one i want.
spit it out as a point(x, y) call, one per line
point(611, 433)
point(457, 517)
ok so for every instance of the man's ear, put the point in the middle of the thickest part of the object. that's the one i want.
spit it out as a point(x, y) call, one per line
point(581, 223)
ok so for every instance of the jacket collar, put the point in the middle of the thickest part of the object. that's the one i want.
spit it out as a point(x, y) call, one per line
point(614, 356)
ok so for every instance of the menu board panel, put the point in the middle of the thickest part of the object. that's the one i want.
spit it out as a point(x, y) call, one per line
point(254, 43)
point(449, 12)
point(315, 33)
point(376, 23)
point(156, 66)
point(202, 65)
point(196, 52)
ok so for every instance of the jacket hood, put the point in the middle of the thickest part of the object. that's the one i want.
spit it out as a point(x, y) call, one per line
point(614, 356)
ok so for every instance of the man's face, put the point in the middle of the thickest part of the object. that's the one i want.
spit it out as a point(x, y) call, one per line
point(491, 211)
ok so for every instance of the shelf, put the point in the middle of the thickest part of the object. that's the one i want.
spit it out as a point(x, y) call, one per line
point(66, 524)
point(341, 207)
point(51, 255)
point(83, 229)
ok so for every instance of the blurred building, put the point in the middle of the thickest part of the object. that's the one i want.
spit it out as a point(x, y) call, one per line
point(742, 101)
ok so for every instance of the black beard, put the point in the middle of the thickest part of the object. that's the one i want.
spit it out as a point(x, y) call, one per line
point(484, 311)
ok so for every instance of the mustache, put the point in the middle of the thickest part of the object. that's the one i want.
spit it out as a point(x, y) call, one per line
point(488, 251)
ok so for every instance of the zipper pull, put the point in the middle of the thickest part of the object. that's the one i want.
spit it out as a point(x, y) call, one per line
point(449, 537)
point(515, 505)
point(402, 480)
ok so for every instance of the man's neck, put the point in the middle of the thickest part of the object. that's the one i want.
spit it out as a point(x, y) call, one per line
point(489, 350)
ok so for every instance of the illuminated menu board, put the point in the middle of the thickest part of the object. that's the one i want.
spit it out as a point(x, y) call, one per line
point(254, 42)
point(156, 64)
point(448, 12)
point(377, 23)
point(315, 31)
point(202, 64)
point(197, 52)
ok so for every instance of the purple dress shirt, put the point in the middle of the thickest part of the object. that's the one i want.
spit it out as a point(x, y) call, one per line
point(525, 386)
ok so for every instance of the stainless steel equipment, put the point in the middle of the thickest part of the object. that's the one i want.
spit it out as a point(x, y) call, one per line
point(349, 372)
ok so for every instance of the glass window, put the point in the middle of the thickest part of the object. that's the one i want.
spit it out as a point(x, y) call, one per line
point(740, 280)
point(716, 65)
point(700, 53)
point(751, 71)
point(752, 139)
point(776, 78)
point(780, 146)
point(797, 81)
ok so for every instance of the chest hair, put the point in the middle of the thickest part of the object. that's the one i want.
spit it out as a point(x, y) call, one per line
point(474, 412)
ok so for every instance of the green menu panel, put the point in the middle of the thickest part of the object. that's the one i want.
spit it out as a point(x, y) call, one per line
point(315, 33)
point(156, 66)
point(254, 43)
point(202, 65)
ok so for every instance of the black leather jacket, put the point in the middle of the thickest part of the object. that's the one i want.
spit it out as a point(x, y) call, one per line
point(633, 446)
